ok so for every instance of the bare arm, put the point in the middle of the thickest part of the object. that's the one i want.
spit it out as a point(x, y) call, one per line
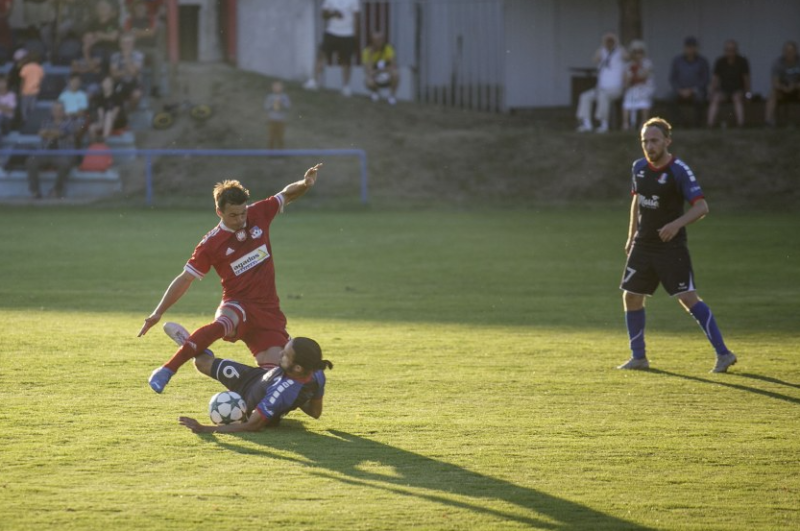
point(296, 190)
point(256, 422)
point(313, 408)
point(633, 224)
point(175, 291)
point(697, 211)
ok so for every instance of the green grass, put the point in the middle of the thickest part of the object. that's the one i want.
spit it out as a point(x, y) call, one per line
point(473, 389)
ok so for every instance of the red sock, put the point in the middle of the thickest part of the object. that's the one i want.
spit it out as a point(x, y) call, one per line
point(200, 340)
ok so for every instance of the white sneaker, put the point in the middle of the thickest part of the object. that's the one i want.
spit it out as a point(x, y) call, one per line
point(375, 97)
point(585, 127)
point(635, 364)
point(346, 91)
point(724, 361)
point(603, 128)
point(392, 100)
point(177, 333)
point(311, 84)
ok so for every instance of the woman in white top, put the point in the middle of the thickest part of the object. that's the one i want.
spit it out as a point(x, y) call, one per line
point(639, 87)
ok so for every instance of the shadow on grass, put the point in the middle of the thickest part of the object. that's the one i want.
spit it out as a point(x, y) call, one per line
point(739, 387)
point(358, 461)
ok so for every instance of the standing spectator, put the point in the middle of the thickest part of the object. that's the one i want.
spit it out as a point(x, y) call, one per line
point(126, 68)
point(89, 67)
point(276, 104)
point(8, 105)
point(5, 29)
point(689, 78)
point(610, 61)
point(56, 133)
point(31, 75)
point(110, 110)
point(342, 20)
point(785, 80)
point(143, 25)
point(640, 86)
point(76, 106)
point(15, 84)
point(103, 30)
point(380, 67)
point(731, 81)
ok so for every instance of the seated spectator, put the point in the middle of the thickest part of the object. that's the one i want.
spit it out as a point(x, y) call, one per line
point(31, 75)
point(610, 61)
point(380, 68)
point(74, 17)
point(731, 81)
point(103, 30)
point(276, 104)
point(76, 106)
point(785, 80)
point(640, 86)
point(110, 111)
point(15, 84)
point(689, 78)
point(89, 66)
point(56, 133)
point(143, 25)
point(8, 105)
point(126, 68)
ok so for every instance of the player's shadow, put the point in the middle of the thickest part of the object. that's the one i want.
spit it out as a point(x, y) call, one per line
point(740, 387)
point(365, 463)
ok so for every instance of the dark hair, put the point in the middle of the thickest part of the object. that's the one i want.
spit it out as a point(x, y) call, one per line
point(230, 193)
point(660, 124)
point(308, 354)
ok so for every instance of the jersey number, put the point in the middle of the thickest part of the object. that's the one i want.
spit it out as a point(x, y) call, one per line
point(230, 372)
point(628, 276)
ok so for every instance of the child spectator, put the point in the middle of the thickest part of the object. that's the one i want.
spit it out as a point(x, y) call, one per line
point(276, 104)
point(76, 106)
point(31, 74)
point(380, 67)
point(8, 105)
point(126, 68)
point(89, 67)
point(640, 86)
point(110, 110)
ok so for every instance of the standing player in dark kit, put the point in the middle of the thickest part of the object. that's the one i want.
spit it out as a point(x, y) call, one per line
point(240, 252)
point(656, 245)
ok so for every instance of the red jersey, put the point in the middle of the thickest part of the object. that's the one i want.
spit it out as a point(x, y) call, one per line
point(243, 258)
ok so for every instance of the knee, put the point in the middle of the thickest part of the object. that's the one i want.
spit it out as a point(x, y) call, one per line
point(203, 362)
point(632, 301)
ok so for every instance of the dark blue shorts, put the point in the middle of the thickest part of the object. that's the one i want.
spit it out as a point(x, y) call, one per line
point(647, 266)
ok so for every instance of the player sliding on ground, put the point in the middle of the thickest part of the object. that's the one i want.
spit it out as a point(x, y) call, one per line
point(296, 381)
point(656, 245)
point(239, 250)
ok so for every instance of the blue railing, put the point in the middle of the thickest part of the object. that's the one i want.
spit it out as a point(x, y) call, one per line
point(149, 154)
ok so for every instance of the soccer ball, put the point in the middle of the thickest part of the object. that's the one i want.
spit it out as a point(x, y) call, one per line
point(227, 407)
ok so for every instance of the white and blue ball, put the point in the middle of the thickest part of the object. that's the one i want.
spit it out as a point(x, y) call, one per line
point(227, 407)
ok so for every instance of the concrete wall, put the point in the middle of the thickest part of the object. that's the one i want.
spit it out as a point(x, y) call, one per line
point(277, 37)
point(209, 47)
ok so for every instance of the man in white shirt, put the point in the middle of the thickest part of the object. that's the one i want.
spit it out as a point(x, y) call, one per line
point(610, 61)
point(342, 20)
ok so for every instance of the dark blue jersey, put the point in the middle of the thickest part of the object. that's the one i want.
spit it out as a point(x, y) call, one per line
point(662, 193)
point(274, 394)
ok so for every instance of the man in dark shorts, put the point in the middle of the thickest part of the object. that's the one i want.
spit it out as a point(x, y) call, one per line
point(785, 80)
point(297, 381)
point(656, 245)
point(730, 82)
point(342, 21)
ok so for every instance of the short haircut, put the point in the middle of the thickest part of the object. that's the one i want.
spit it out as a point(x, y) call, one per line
point(660, 124)
point(230, 192)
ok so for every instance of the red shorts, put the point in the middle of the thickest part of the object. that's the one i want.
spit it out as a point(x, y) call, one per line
point(260, 328)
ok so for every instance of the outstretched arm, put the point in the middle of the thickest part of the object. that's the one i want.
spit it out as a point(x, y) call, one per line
point(298, 189)
point(174, 292)
point(256, 422)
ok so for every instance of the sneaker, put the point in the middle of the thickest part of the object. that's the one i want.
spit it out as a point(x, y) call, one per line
point(635, 364)
point(584, 128)
point(375, 97)
point(724, 361)
point(160, 378)
point(602, 129)
point(346, 91)
point(311, 84)
point(179, 335)
point(392, 100)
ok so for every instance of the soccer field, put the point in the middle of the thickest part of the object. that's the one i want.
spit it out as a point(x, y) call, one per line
point(474, 384)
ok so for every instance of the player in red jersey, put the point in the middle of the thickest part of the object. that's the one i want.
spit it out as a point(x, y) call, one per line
point(239, 250)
